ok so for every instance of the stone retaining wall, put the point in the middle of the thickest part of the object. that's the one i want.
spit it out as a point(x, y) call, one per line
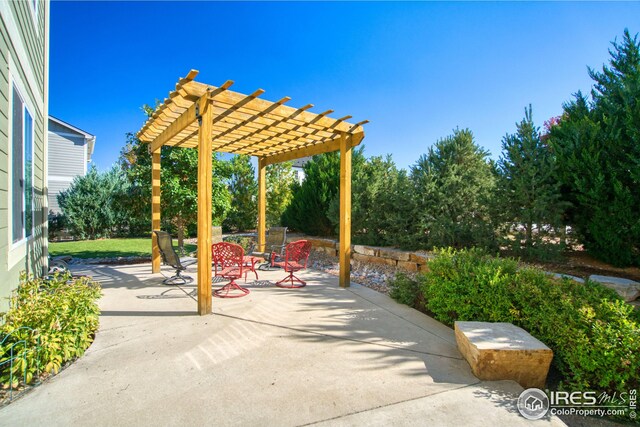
point(407, 260)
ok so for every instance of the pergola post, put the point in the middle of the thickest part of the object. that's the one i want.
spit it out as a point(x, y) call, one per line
point(262, 203)
point(344, 254)
point(205, 173)
point(155, 210)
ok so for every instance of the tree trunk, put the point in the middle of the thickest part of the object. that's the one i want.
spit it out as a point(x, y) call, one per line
point(529, 235)
point(180, 229)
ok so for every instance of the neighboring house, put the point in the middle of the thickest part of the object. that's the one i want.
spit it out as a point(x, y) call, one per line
point(70, 151)
point(298, 168)
point(24, 69)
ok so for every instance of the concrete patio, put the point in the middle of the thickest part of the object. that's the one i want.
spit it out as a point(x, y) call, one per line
point(320, 355)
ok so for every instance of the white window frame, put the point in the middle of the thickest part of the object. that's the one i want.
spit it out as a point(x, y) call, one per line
point(15, 83)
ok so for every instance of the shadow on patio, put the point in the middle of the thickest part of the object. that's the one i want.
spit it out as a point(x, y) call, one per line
point(276, 356)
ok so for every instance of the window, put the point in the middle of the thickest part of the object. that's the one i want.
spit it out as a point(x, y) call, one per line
point(22, 169)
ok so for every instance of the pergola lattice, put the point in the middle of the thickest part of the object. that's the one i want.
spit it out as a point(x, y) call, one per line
point(210, 118)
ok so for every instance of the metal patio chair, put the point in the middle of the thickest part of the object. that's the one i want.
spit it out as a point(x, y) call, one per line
point(275, 242)
point(296, 255)
point(171, 258)
point(228, 262)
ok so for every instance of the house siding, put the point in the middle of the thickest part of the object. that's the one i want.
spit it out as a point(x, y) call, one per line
point(55, 188)
point(66, 155)
point(67, 159)
point(23, 52)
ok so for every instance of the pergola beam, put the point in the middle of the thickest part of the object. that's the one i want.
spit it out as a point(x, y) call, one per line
point(177, 126)
point(312, 150)
point(194, 88)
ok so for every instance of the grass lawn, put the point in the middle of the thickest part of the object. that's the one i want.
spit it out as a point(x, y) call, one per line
point(106, 248)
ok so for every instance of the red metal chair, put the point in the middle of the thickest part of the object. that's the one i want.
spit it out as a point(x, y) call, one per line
point(296, 255)
point(228, 257)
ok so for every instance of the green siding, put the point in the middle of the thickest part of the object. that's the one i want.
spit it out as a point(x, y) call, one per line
point(32, 42)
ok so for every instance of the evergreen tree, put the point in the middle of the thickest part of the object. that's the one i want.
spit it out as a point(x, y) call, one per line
point(453, 187)
point(243, 187)
point(528, 193)
point(597, 146)
point(309, 206)
point(280, 182)
point(382, 208)
point(90, 205)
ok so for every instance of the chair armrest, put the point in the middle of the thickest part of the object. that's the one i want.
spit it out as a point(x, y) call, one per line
point(277, 246)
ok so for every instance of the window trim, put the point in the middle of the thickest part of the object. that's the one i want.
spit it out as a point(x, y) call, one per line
point(15, 83)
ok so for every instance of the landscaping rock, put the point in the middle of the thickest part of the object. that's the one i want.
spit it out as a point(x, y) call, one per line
point(365, 250)
point(564, 276)
point(408, 265)
point(627, 289)
point(392, 253)
point(321, 243)
point(420, 257)
point(374, 260)
point(329, 250)
point(502, 351)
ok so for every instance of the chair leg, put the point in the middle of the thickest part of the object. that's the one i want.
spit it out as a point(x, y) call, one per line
point(225, 291)
point(293, 279)
point(178, 279)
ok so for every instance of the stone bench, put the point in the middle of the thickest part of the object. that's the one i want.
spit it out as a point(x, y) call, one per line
point(502, 351)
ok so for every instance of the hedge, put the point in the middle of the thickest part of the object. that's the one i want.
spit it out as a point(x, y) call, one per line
point(594, 334)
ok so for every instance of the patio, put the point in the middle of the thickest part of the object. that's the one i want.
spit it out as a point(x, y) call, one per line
point(321, 354)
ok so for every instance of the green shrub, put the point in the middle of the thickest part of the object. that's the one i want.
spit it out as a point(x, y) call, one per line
point(594, 334)
point(406, 290)
point(62, 315)
point(248, 243)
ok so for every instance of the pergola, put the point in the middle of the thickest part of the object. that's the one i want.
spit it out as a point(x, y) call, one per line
point(210, 118)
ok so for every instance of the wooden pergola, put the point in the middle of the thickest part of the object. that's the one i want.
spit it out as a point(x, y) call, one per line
point(210, 118)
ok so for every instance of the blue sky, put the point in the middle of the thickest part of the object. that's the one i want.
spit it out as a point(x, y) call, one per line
point(416, 70)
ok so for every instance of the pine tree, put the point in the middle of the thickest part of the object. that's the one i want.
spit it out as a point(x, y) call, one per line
point(453, 186)
point(597, 146)
point(528, 193)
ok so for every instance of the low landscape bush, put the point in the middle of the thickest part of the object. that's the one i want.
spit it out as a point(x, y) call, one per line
point(594, 334)
point(56, 319)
